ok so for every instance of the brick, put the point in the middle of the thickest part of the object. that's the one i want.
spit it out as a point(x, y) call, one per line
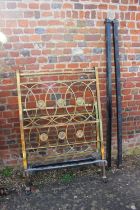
point(90, 23)
point(25, 61)
point(41, 59)
point(36, 52)
point(22, 5)
point(78, 58)
point(11, 5)
point(57, 37)
point(137, 56)
point(103, 6)
point(7, 31)
point(132, 8)
point(138, 16)
point(123, 57)
point(14, 39)
point(25, 53)
point(37, 14)
point(11, 14)
point(81, 23)
point(28, 14)
point(133, 69)
point(23, 23)
point(46, 37)
point(68, 37)
point(125, 1)
point(14, 54)
point(115, 1)
point(135, 91)
point(137, 97)
point(3, 53)
point(90, 6)
point(64, 59)
point(9, 61)
point(33, 6)
point(7, 74)
point(56, 6)
point(112, 7)
point(73, 65)
point(52, 59)
point(45, 6)
point(92, 37)
point(17, 31)
point(82, 44)
point(54, 22)
point(126, 91)
point(128, 85)
point(40, 30)
point(11, 23)
point(78, 37)
point(67, 6)
point(131, 25)
point(97, 51)
point(75, 14)
point(2, 5)
point(2, 108)
point(35, 38)
point(66, 51)
point(78, 6)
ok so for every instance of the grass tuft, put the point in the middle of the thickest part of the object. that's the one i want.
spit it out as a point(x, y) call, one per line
point(6, 172)
point(67, 177)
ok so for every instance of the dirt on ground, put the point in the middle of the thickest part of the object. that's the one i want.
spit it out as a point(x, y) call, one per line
point(79, 188)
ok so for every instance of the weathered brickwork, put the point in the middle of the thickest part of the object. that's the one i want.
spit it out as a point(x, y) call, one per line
point(67, 34)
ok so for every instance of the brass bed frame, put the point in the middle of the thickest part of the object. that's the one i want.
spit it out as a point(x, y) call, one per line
point(60, 119)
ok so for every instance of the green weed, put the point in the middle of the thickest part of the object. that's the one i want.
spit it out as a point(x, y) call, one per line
point(67, 178)
point(6, 172)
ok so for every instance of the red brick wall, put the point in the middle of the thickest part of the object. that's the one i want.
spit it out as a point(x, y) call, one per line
point(67, 34)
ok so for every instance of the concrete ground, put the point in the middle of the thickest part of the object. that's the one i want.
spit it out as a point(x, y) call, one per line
point(77, 189)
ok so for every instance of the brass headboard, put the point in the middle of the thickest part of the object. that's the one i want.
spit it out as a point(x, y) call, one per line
point(60, 116)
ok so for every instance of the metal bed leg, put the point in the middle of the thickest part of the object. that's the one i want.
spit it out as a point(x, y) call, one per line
point(104, 172)
point(28, 182)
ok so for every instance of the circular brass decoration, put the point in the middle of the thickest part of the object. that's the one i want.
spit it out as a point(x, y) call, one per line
point(43, 137)
point(41, 104)
point(79, 134)
point(80, 101)
point(61, 102)
point(62, 135)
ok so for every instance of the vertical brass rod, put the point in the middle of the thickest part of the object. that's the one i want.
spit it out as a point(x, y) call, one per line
point(21, 121)
point(97, 129)
point(99, 114)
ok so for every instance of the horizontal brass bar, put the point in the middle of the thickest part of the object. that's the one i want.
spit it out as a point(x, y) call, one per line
point(63, 115)
point(69, 106)
point(76, 71)
point(62, 145)
point(61, 124)
point(58, 81)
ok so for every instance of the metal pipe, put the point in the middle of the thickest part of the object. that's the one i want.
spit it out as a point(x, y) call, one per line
point(118, 92)
point(68, 164)
point(108, 24)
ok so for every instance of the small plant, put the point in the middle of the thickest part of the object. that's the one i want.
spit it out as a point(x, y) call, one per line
point(67, 177)
point(6, 172)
